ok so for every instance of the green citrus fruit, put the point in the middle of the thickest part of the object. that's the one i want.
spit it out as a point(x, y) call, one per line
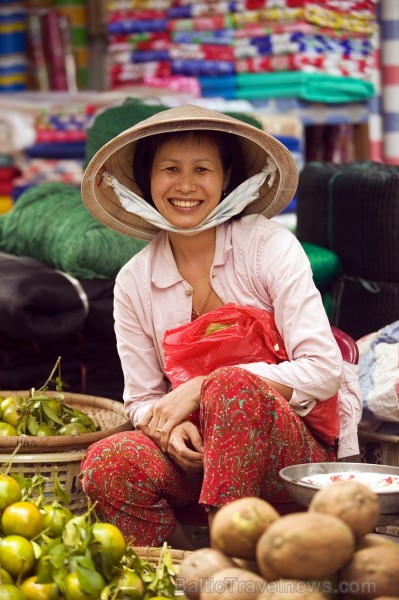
point(37, 591)
point(11, 416)
point(22, 518)
point(16, 555)
point(44, 431)
point(12, 401)
point(130, 586)
point(6, 429)
point(55, 518)
point(111, 539)
point(73, 589)
point(72, 429)
point(10, 491)
point(6, 577)
point(11, 592)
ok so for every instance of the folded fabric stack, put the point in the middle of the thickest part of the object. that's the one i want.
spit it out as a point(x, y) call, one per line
point(57, 148)
point(316, 50)
point(7, 174)
point(13, 61)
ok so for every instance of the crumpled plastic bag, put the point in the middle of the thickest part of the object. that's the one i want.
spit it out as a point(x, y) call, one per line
point(233, 335)
point(230, 335)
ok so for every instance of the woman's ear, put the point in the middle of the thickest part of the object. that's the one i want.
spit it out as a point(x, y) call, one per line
point(226, 180)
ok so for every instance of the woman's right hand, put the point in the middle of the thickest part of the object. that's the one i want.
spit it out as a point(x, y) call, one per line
point(185, 447)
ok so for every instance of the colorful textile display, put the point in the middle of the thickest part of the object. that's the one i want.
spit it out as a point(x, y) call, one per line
point(389, 26)
point(218, 42)
point(13, 61)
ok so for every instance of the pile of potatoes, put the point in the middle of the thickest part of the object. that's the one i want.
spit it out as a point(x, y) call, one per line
point(327, 552)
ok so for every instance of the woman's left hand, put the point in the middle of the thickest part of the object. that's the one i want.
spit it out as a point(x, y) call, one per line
point(185, 447)
point(171, 410)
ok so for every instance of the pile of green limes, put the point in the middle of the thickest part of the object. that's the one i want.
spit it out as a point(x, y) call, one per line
point(48, 553)
point(41, 415)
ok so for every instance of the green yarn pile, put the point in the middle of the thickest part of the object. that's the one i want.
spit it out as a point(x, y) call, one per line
point(50, 223)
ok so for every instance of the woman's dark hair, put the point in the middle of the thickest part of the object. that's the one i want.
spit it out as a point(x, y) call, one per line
point(228, 145)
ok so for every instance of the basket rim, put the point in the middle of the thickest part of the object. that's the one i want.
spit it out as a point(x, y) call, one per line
point(67, 442)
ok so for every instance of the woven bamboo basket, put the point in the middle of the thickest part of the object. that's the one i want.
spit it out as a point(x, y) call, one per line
point(60, 456)
point(153, 555)
point(108, 414)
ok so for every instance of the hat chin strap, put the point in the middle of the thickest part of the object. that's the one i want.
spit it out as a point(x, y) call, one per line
point(233, 204)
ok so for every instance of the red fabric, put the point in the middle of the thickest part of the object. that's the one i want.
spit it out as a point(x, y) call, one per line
point(250, 335)
point(250, 432)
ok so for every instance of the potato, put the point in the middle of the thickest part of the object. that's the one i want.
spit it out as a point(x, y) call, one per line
point(351, 501)
point(305, 546)
point(236, 527)
point(373, 539)
point(199, 565)
point(232, 584)
point(371, 573)
point(291, 589)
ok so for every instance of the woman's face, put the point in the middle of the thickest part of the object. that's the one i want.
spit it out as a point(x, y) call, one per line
point(187, 180)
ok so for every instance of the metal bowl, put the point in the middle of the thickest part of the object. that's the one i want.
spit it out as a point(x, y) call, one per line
point(303, 492)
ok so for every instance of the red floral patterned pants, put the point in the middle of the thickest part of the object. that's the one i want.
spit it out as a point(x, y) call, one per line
point(250, 432)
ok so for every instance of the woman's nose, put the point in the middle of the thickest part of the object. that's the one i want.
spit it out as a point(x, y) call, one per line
point(185, 183)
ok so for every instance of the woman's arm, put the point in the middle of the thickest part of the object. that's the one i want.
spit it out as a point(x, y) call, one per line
point(314, 368)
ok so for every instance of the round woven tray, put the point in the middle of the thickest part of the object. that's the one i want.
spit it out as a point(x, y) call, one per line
point(153, 554)
point(108, 414)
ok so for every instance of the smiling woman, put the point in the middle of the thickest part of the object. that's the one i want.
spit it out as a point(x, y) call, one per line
point(187, 178)
point(202, 187)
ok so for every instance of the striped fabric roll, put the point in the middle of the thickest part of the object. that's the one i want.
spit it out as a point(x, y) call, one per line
point(390, 79)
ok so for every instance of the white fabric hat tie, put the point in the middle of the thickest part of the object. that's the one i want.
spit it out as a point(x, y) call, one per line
point(233, 204)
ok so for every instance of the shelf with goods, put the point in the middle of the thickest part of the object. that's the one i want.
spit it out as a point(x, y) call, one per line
point(302, 58)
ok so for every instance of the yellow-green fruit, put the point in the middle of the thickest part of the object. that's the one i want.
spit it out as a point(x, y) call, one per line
point(55, 518)
point(72, 429)
point(73, 589)
point(111, 540)
point(130, 586)
point(6, 429)
point(10, 491)
point(22, 518)
point(16, 555)
point(37, 591)
point(11, 592)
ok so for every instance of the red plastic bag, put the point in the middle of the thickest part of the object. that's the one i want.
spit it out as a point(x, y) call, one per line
point(233, 335)
point(230, 335)
point(323, 420)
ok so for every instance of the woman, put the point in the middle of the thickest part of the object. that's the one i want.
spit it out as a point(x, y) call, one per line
point(209, 185)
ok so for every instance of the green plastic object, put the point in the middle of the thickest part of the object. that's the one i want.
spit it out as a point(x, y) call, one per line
point(325, 264)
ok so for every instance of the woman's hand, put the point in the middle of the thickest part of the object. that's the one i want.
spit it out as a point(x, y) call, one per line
point(169, 411)
point(185, 447)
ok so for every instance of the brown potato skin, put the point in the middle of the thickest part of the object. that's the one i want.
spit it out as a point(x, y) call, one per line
point(370, 540)
point(233, 584)
point(305, 546)
point(351, 501)
point(291, 589)
point(371, 573)
point(237, 527)
point(199, 565)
